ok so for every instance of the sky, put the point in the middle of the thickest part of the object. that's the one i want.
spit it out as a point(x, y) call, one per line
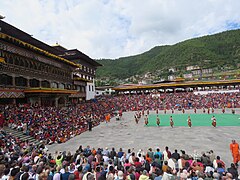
point(120, 28)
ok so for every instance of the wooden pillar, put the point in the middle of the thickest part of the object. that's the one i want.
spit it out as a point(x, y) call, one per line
point(13, 81)
point(39, 101)
point(174, 90)
point(14, 101)
point(28, 82)
point(56, 101)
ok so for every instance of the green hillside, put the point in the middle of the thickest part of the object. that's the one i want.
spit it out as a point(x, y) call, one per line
point(213, 51)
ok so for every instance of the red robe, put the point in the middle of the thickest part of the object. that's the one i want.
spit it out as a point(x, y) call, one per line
point(1, 120)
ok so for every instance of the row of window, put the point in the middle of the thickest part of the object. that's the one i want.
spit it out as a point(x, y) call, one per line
point(21, 81)
point(86, 77)
point(83, 76)
point(38, 66)
point(29, 64)
point(88, 70)
point(90, 88)
point(6, 80)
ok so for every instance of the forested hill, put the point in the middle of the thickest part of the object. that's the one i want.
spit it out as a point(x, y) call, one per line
point(222, 49)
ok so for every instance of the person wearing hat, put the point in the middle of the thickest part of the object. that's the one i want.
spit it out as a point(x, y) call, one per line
point(144, 175)
point(119, 175)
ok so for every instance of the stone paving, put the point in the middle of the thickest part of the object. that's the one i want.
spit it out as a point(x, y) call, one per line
point(126, 134)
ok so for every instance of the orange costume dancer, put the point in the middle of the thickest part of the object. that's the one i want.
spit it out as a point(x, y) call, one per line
point(212, 110)
point(214, 121)
point(120, 113)
point(171, 122)
point(158, 121)
point(234, 147)
point(204, 110)
point(146, 120)
point(139, 115)
point(189, 122)
point(223, 110)
point(107, 117)
point(136, 118)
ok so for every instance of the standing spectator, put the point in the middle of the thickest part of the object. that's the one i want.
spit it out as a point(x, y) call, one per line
point(217, 161)
point(166, 154)
point(158, 153)
point(176, 155)
point(120, 153)
point(132, 158)
point(112, 153)
point(150, 153)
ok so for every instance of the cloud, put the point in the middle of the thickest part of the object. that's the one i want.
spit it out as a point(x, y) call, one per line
point(117, 28)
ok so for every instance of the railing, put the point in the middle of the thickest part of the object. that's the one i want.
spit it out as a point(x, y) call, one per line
point(36, 73)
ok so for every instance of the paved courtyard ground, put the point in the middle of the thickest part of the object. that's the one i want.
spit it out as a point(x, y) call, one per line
point(126, 134)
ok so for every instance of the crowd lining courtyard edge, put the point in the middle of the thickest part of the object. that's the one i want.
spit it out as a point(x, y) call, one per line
point(126, 134)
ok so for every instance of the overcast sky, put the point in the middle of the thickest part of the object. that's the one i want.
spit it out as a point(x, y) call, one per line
point(119, 28)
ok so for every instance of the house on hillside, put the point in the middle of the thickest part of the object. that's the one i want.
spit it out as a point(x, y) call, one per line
point(172, 69)
point(148, 75)
point(190, 68)
point(146, 81)
point(188, 76)
point(104, 90)
point(171, 77)
point(197, 72)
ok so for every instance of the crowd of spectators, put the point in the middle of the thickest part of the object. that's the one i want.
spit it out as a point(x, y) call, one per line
point(57, 125)
point(24, 160)
point(21, 160)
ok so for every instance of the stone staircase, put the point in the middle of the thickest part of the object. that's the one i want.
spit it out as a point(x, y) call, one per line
point(22, 136)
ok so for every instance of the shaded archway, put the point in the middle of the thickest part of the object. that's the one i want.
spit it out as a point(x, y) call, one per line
point(21, 81)
point(5, 79)
point(61, 86)
point(54, 85)
point(61, 102)
point(34, 83)
point(45, 84)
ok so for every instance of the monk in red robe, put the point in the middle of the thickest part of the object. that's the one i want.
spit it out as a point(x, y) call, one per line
point(234, 147)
